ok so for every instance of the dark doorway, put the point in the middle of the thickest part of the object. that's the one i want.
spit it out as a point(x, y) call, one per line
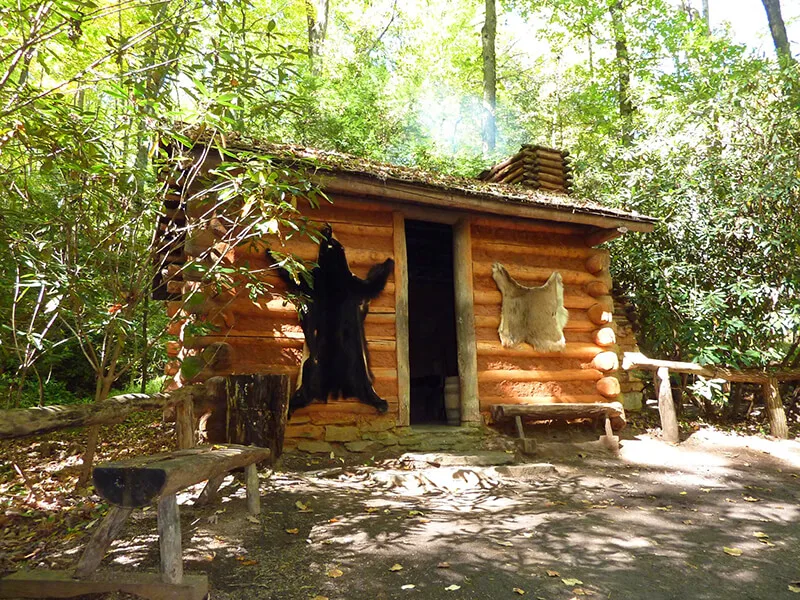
point(432, 323)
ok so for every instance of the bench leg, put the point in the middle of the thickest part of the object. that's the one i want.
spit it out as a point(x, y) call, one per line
point(610, 440)
point(169, 537)
point(101, 539)
point(253, 491)
point(528, 445)
point(210, 493)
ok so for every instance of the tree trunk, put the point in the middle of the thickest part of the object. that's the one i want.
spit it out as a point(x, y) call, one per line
point(777, 416)
point(666, 406)
point(317, 17)
point(623, 70)
point(706, 15)
point(488, 34)
point(778, 31)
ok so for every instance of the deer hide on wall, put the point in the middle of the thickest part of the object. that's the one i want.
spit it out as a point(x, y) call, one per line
point(535, 315)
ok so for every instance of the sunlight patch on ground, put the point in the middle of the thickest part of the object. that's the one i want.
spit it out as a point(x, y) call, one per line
point(653, 453)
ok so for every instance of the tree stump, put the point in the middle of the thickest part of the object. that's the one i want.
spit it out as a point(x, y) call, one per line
point(257, 407)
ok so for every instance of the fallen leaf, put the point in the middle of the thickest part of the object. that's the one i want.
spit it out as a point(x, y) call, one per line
point(396, 567)
point(572, 582)
point(751, 499)
point(249, 563)
point(518, 591)
point(333, 520)
point(687, 522)
point(292, 531)
point(760, 535)
point(320, 598)
point(684, 493)
point(372, 509)
point(414, 513)
point(732, 551)
point(302, 507)
point(408, 586)
point(443, 565)
point(552, 573)
point(795, 587)
point(334, 573)
point(423, 520)
point(253, 519)
point(504, 544)
point(452, 588)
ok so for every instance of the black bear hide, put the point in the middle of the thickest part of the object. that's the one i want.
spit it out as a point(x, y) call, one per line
point(332, 320)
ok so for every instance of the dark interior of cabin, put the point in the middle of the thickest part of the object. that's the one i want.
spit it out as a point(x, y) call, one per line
point(432, 327)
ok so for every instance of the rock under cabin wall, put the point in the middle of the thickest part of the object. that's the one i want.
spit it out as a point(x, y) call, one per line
point(264, 336)
point(585, 371)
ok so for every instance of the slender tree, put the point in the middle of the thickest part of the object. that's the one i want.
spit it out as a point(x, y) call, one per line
point(623, 65)
point(778, 30)
point(488, 34)
point(317, 12)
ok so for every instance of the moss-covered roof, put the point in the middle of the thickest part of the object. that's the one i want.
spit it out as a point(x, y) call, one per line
point(339, 163)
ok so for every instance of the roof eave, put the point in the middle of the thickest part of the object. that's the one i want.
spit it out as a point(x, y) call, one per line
point(422, 194)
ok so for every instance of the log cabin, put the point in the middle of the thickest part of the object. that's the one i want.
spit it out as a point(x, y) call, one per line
point(432, 333)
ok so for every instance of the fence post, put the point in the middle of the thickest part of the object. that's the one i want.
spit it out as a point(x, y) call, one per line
point(666, 406)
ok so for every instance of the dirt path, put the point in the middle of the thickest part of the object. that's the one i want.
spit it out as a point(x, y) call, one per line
point(653, 523)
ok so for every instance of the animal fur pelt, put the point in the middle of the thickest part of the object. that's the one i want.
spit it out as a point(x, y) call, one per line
point(534, 315)
point(332, 318)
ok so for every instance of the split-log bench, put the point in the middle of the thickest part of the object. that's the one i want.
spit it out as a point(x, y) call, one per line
point(136, 483)
point(611, 412)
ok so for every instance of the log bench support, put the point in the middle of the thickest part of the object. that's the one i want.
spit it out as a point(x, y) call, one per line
point(135, 484)
point(612, 413)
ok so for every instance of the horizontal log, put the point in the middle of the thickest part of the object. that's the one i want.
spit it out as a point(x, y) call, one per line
point(597, 288)
point(599, 314)
point(540, 167)
point(605, 337)
point(291, 340)
point(487, 401)
point(578, 321)
point(559, 180)
point(574, 350)
point(571, 302)
point(540, 375)
point(502, 165)
point(353, 407)
point(598, 262)
point(612, 410)
point(523, 249)
point(542, 274)
point(22, 422)
point(636, 360)
point(605, 361)
point(608, 387)
point(137, 482)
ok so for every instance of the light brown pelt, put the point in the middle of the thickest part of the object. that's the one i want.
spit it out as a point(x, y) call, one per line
point(534, 315)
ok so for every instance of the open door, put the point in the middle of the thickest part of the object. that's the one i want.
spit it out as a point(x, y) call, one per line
point(433, 354)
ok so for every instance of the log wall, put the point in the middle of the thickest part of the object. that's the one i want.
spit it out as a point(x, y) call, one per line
point(582, 372)
point(264, 335)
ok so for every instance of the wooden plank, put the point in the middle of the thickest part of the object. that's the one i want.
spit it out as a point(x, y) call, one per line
point(571, 301)
point(61, 584)
point(465, 321)
point(169, 538)
point(136, 482)
point(401, 320)
point(525, 249)
point(637, 360)
point(612, 411)
point(101, 540)
point(578, 321)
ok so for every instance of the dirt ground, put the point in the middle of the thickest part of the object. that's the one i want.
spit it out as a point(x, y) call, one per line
point(714, 517)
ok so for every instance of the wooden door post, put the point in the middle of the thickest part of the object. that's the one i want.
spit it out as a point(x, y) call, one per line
point(465, 321)
point(253, 491)
point(666, 406)
point(401, 319)
point(775, 411)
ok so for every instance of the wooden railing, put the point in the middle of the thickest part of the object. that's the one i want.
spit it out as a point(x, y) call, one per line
point(666, 406)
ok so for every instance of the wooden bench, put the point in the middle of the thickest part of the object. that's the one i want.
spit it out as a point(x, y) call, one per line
point(612, 413)
point(137, 483)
